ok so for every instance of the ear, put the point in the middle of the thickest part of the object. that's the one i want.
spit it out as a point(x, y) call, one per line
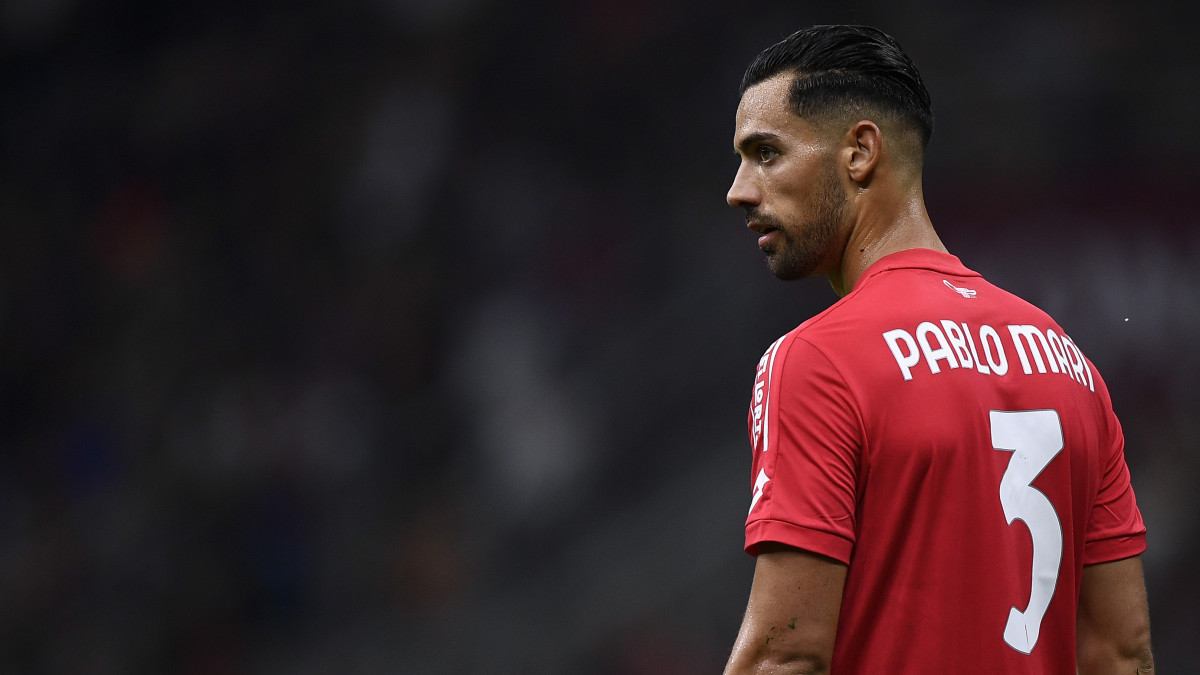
point(865, 144)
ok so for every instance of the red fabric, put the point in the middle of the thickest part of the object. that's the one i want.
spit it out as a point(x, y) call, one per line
point(900, 479)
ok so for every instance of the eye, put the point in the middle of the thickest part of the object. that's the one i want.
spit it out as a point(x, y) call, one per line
point(766, 153)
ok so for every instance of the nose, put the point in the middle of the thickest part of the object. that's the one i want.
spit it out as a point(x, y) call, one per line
point(744, 191)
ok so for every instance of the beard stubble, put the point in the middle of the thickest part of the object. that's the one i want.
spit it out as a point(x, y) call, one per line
point(805, 246)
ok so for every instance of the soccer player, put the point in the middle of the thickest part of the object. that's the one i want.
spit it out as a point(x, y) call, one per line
point(938, 478)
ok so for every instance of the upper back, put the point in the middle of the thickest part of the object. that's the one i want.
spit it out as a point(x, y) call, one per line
point(985, 440)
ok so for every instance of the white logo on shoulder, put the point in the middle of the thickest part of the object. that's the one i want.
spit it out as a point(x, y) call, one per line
point(758, 488)
point(965, 292)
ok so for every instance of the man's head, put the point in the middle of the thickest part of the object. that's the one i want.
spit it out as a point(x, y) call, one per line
point(841, 72)
point(816, 109)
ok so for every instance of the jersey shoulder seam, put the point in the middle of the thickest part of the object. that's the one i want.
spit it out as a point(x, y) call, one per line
point(858, 416)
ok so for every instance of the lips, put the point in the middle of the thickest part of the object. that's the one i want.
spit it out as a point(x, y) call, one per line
point(766, 232)
point(767, 237)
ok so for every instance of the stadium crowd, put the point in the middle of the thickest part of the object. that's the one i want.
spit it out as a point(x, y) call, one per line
point(417, 337)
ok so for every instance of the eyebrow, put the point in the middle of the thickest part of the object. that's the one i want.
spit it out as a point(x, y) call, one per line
point(752, 139)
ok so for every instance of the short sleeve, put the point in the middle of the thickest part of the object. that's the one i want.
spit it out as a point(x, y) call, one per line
point(807, 442)
point(1114, 529)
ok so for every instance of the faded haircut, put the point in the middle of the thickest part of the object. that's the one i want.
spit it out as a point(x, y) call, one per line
point(844, 70)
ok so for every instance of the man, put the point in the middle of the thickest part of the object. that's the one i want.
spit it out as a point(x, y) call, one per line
point(939, 482)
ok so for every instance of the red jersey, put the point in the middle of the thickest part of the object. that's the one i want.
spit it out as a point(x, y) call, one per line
point(951, 444)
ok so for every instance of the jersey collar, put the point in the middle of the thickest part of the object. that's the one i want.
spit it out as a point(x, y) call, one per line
point(918, 258)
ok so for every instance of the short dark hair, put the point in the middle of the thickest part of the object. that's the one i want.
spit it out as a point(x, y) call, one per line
point(847, 67)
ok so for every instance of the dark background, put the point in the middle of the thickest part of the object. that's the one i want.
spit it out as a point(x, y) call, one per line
point(416, 337)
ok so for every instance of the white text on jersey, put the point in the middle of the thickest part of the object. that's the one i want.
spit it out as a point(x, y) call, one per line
point(986, 350)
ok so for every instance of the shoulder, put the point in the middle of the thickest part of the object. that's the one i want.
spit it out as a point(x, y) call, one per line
point(804, 365)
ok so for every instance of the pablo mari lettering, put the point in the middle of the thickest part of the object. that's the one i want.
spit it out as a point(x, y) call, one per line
point(947, 345)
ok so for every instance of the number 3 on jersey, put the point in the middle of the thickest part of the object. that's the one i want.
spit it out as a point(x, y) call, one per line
point(1034, 437)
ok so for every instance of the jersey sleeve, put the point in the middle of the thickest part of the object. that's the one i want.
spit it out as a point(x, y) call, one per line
point(806, 436)
point(1114, 529)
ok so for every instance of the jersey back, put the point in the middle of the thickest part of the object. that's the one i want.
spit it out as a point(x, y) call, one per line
point(951, 444)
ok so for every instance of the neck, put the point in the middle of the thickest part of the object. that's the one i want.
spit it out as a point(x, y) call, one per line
point(878, 232)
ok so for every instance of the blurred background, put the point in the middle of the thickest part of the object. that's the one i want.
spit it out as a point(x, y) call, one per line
point(415, 336)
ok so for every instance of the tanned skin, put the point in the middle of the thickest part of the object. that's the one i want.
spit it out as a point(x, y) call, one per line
point(831, 197)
